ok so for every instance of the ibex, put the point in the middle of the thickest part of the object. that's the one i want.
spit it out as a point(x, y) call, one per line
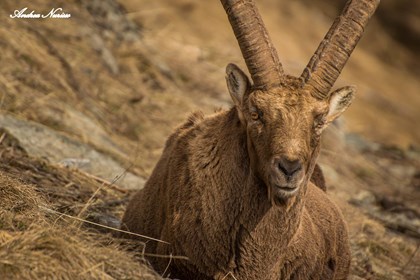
point(232, 191)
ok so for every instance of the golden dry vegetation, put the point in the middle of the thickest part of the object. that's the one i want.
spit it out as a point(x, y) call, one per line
point(121, 74)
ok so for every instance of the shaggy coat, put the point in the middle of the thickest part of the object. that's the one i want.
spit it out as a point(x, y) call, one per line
point(232, 191)
point(204, 199)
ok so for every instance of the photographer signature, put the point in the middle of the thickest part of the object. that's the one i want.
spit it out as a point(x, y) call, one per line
point(54, 13)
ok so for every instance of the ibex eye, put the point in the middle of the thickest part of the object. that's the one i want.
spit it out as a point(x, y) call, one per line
point(255, 116)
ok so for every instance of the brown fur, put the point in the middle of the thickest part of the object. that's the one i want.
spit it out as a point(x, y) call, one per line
point(318, 178)
point(204, 198)
point(232, 191)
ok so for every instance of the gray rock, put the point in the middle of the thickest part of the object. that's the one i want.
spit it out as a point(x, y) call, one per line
point(40, 141)
point(364, 198)
point(360, 144)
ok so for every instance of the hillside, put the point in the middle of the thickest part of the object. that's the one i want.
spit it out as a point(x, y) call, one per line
point(87, 103)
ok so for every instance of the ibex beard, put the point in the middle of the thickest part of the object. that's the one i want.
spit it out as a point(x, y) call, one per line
point(283, 127)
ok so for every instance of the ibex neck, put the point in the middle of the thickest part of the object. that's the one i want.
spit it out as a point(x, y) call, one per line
point(263, 230)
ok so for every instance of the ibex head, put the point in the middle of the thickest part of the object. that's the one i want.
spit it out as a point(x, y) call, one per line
point(284, 116)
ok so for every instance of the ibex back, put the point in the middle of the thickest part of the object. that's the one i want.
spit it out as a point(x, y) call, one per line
point(232, 191)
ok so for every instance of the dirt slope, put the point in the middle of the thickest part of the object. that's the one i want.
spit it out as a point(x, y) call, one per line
point(120, 75)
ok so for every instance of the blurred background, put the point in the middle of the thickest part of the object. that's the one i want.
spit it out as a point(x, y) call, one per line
point(101, 91)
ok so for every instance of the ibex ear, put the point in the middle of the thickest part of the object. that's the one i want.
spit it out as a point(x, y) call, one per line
point(237, 83)
point(339, 101)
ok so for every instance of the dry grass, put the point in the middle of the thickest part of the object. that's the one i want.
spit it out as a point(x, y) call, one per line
point(123, 92)
point(56, 252)
point(35, 243)
point(379, 251)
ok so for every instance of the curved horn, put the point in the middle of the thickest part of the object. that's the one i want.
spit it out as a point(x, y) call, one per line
point(255, 43)
point(332, 54)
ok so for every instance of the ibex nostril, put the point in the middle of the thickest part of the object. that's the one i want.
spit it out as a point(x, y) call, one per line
point(288, 167)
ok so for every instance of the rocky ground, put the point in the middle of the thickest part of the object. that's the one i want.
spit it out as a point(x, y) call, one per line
point(86, 105)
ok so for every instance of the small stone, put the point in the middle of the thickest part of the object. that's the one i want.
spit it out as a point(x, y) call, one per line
point(363, 198)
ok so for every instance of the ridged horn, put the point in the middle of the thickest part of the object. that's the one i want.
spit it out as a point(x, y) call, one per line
point(332, 54)
point(257, 49)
